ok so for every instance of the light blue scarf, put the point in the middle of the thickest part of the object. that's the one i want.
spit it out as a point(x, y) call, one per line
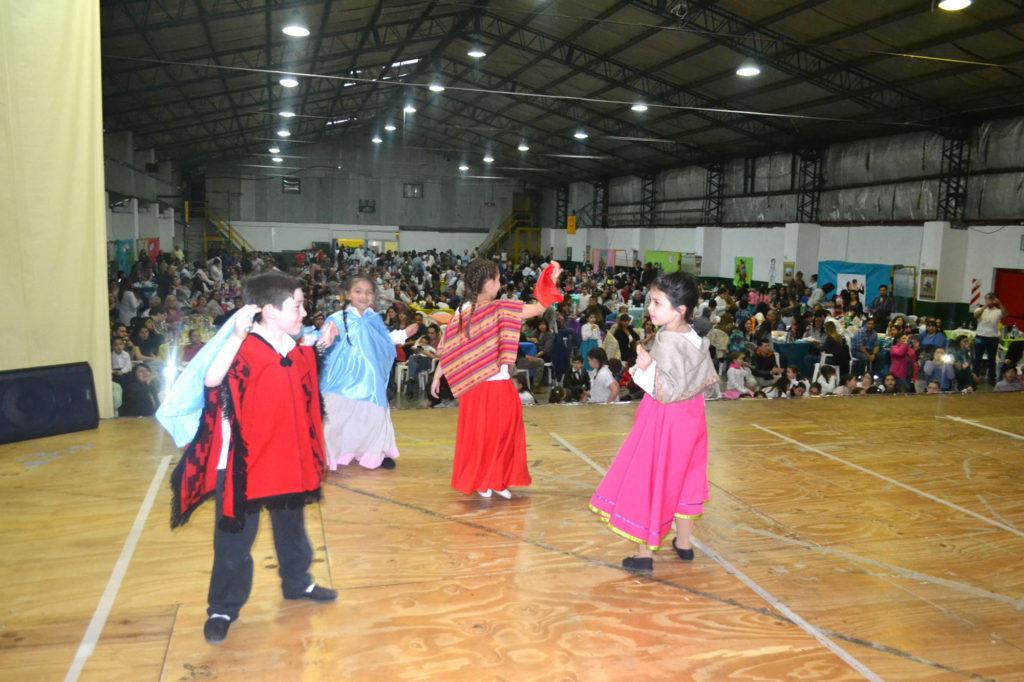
point(181, 409)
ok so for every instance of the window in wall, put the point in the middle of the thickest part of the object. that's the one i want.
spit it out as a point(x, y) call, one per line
point(367, 206)
point(413, 190)
point(291, 185)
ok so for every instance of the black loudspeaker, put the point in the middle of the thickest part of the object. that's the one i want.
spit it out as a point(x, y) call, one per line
point(46, 401)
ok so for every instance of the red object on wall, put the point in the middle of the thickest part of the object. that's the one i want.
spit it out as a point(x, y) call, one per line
point(1009, 289)
point(153, 248)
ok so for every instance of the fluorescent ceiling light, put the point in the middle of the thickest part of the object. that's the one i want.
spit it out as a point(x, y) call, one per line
point(580, 135)
point(954, 5)
point(523, 147)
point(389, 127)
point(748, 68)
point(295, 27)
point(407, 62)
point(274, 150)
point(338, 121)
point(488, 158)
point(639, 106)
point(409, 109)
point(286, 114)
point(377, 139)
point(463, 167)
point(277, 159)
point(283, 133)
point(436, 87)
point(288, 82)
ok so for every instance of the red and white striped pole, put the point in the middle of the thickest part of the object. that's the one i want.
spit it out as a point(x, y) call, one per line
point(975, 293)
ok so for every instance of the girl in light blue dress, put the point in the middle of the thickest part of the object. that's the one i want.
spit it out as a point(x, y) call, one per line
point(354, 380)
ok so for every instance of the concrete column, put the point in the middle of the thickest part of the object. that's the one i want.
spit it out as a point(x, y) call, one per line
point(802, 244)
point(134, 203)
point(709, 247)
point(945, 250)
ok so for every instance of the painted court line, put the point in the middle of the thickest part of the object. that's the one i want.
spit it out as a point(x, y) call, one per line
point(99, 617)
point(576, 452)
point(982, 426)
point(807, 627)
point(933, 498)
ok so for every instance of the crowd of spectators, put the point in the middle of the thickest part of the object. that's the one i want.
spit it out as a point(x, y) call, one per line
point(580, 350)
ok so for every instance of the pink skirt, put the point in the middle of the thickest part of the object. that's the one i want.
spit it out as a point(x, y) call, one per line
point(490, 443)
point(660, 472)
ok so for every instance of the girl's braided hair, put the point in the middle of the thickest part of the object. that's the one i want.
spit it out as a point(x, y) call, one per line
point(477, 273)
point(347, 287)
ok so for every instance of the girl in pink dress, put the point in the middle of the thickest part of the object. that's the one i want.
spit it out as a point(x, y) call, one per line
point(660, 473)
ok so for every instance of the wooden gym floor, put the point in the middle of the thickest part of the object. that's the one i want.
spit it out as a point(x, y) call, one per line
point(856, 538)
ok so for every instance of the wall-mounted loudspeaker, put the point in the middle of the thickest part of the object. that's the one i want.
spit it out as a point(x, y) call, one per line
point(46, 401)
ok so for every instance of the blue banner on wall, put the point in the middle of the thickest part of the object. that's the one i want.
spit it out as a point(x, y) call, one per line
point(841, 273)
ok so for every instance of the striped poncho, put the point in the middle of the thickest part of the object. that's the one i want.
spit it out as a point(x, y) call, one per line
point(493, 341)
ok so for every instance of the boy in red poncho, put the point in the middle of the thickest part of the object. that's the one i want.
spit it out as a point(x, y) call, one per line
point(259, 445)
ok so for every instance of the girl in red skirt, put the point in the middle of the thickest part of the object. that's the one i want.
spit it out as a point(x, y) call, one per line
point(479, 348)
point(660, 473)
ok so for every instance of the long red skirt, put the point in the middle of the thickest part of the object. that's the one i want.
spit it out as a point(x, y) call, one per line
point(490, 444)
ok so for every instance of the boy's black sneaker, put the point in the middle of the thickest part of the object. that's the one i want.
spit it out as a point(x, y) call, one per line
point(216, 629)
point(318, 594)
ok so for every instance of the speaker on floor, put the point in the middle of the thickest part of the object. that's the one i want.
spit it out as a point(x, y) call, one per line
point(46, 401)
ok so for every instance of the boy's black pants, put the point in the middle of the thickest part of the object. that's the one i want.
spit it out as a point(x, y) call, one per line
point(231, 578)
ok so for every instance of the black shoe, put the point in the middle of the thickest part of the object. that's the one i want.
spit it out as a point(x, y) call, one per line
point(684, 554)
point(216, 629)
point(640, 565)
point(387, 463)
point(318, 594)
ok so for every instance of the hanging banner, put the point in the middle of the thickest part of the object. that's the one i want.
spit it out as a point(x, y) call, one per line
point(570, 224)
point(125, 255)
point(744, 266)
point(153, 249)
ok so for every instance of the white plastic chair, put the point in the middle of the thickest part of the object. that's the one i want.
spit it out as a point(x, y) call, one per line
point(401, 375)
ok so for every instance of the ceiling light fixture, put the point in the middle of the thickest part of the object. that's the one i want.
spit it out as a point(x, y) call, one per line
point(580, 135)
point(463, 167)
point(954, 5)
point(283, 133)
point(488, 158)
point(390, 127)
point(476, 50)
point(436, 87)
point(377, 139)
point(288, 82)
point(277, 159)
point(409, 109)
point(295, 27)
point(748, 68)
point(286, 114)
point(523, 147)
point(274, 150)
point(639, 107)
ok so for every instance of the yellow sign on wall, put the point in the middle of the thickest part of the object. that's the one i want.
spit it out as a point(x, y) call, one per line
point(570, 224)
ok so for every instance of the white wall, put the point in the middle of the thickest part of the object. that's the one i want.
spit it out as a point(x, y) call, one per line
point(423, 240)
point(990, 247)
point(152, 223)
point(268, 236)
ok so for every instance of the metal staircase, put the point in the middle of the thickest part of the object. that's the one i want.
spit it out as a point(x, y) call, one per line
point(517, 233)
point(205, 231)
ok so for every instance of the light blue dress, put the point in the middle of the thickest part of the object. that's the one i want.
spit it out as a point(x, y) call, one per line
point(354, 381)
